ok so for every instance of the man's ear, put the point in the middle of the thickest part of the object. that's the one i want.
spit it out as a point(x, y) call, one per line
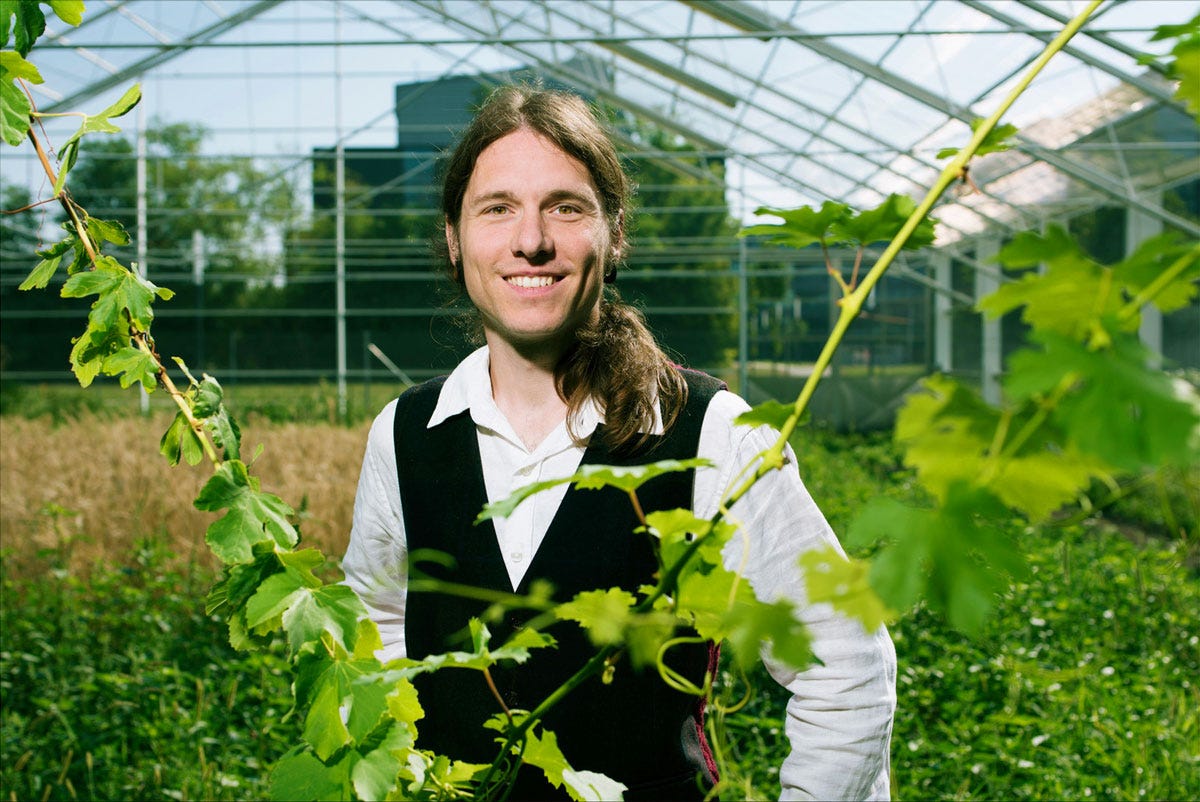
point(455, 251)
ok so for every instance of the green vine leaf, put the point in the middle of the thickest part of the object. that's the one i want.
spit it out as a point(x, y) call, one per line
point(592, 477)
point(801, 227)
point(1051, 300)
point(956, 556)
point(346, 700)
point(769, 413)
point(28, 23)
point(1148, 262)
point(253, 516)
point(99, 123)
point(209, 405)
point(947, 432)
point(180, 441)
point(69, 11)
point(1120, 410)
point(300, 775)
point(91, 348)
point(118, 290)
point(132, 366)
point(603, 613)
point(543, 752)
point(884, 222)
point(834, 578)
point(14, 105)
point(995, 142)
point(749, 626)
point(41, 274)
point(374, 775)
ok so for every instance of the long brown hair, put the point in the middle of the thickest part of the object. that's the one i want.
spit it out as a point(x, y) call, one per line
point(617, 360)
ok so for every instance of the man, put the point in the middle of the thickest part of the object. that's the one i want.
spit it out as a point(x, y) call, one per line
point(535, 207)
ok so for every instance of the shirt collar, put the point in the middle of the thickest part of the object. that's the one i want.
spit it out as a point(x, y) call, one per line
point(469, 388)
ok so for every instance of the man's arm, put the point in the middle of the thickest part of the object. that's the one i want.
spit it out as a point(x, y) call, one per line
point(376, 563)
point(839, 717)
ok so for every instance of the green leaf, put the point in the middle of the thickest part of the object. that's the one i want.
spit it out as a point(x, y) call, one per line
point(749, 626)
point(676, 529)
point(884, 222)
point(592, 477)
point(801, 227)
point(94, 346)
point(333, 608)
point(957, 557)
point(99, 123)
point(13, 66)
point(1149, 261)
point(40, 276)
point(132, 365)
point(995, 142)
point(769, 413)
point(1120, 410)
point(403, 703)
point(253, 516)
point(118, 290)
point(603, 613)
point(375, 775)
point(179, 441)
point(947, 432)
point(209, 405)
point(29, 24)
point(107, 231)
point(69, 11)
point(544, 753)
point(302, 776)
point(830, 576)
point(14, 113)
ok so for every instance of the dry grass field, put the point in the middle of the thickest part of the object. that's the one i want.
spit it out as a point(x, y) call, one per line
point(93, 486)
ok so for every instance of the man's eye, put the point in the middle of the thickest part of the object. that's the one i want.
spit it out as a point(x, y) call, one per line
point(566, 208)
point(495, 210)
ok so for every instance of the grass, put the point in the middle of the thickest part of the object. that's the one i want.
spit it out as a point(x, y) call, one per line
point(115, 685)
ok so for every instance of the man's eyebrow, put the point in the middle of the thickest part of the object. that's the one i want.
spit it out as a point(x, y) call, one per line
point(582, 199)
point(491, 197)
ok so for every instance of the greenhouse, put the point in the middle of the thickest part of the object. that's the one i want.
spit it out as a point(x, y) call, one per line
point(940, 541)
point(311, 132)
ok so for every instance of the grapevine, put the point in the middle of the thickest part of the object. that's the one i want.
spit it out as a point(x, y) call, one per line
point(1035, 456)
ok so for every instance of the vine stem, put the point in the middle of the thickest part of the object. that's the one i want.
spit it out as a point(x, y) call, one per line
point(852, 301)
point(140, 338)
point(1151, 290)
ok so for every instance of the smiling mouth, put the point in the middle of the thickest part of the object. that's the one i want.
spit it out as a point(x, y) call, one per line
point(531, 281)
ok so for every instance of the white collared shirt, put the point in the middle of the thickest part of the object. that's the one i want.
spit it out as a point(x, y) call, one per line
point(839, 719)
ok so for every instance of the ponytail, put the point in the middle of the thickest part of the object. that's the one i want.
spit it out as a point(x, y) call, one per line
point(618, 363)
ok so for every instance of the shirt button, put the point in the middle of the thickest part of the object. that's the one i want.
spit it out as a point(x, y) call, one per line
point(525, 470)
point(516, 556)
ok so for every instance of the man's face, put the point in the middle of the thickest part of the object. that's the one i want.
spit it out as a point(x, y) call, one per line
point(532, 242)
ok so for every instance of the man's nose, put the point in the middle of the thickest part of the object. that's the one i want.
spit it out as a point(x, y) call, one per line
point(531, 238)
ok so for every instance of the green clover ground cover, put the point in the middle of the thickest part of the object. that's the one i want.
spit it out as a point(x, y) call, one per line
point(117, 686)
point(1086, 685)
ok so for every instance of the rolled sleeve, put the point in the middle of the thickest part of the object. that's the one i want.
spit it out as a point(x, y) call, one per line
point(839, 717)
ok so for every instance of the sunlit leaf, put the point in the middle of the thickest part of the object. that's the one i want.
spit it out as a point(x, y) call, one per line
point(41, 274)
point(300, 775)
point(769, 413)
point(831, 577)
point(1120, 409)
point(603, 613)
point(593, 477)
point(957, 557)
point(374, 776)
point(996, 140)
point(253, 516)
point(801, 227)
point(69, 11)
point(29, 23)
point(179, 441)
point(1148, 262)
point(132, 365)
point(884, 222)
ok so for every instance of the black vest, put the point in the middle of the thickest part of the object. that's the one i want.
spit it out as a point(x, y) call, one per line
point(636, 729)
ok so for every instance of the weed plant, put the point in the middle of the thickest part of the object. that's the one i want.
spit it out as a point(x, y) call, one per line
point(120, 687)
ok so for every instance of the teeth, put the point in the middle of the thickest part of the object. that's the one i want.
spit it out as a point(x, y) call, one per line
point(531, 281)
